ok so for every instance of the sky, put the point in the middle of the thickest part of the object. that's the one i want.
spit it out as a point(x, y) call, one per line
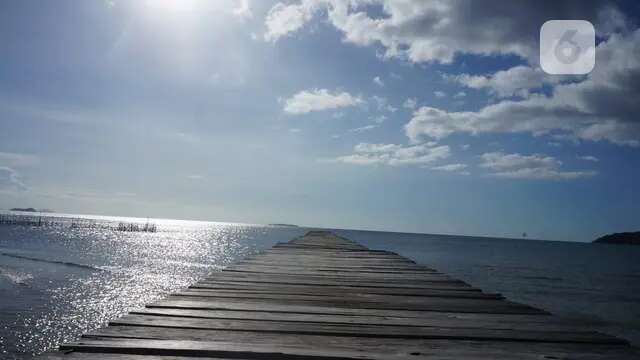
point(410, 116)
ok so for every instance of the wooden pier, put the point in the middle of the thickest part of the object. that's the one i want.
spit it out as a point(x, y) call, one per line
point(324, 297)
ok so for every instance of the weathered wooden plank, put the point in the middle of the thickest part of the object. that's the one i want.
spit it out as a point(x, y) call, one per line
point(333, 272)
point(381, 288)
point(426, 304)
point(336, 284)
point(360, 258)
point(434, 319)
point(384, 331)
point(343, 292)
point(328, 268)
point(74, 355)
point(349, 281)
point(368, 254)
point(300, 260)
point(337, 307)
point(346, 296)
point(325, 347)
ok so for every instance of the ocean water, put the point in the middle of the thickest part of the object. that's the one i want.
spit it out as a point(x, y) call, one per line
point(58, 282)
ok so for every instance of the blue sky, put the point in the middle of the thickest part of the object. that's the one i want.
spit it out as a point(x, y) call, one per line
point(410, 116)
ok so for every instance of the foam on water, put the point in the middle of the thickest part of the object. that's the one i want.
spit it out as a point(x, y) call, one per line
point(15, 277)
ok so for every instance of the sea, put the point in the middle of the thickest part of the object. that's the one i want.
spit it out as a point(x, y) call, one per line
point(77, 273)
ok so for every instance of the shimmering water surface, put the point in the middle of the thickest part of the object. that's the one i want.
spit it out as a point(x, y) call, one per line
point(57, 282)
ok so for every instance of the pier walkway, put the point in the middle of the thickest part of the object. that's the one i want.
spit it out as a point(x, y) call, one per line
point(324, 297)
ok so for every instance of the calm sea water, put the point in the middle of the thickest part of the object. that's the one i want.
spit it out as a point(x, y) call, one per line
point(58, 282)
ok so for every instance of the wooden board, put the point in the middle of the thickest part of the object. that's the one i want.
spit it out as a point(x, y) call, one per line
point(321, 296)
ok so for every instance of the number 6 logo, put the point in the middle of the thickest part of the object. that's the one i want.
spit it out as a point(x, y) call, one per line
point(567, 47)
point(567, 51)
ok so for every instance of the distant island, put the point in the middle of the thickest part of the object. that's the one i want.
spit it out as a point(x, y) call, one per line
point(632, 238)
point(25, 209)
point(31, 210)
point(284, 225)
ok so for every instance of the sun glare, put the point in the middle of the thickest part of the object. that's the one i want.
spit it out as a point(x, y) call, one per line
point(173, 6)
point(192, 6)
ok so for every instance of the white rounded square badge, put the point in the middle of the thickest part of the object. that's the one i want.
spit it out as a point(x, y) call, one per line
point(567, 47)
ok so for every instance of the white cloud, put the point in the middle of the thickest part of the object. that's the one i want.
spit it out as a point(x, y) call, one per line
point(410, 103)
point(589, 158)
point(243, 9)
point(285, 19)
point(394, 155)
point(382, 104)
point(378, 81)
point(363, 128)
point(430, 122)
point(516, 81)
point(534, 167)
point(450, 167)
point(439, 94)
point(10, 179)
point(294, 130)
point(460, 94)
point(603, 107)
point(376, 148)
point(433, 31)
point(379, 119)
point(319, 99)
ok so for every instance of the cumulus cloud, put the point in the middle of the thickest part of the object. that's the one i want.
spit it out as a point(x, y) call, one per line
point(284, 19)
point(319, 99)
point(394, 155)
point(516, 81)
point(534, 167)
point(378, 81)
point(439, 94)
point(603, 107)
point(434, 31)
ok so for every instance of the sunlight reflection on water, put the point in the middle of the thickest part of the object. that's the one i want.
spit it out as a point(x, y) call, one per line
point(82, 278)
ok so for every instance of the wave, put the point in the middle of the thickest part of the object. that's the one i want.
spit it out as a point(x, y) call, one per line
point(15, 277)
point(58, 262)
